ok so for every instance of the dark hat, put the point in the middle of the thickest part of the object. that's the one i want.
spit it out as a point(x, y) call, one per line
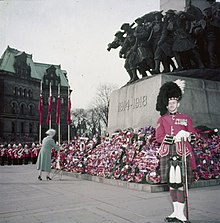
point(158, 13)
point(119, 33)
point(170, 11)
point(125, 26)
point(139, 20)
point(181, 13)
point(168, 91)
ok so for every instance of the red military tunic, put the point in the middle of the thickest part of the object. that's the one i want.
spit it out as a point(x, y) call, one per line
point(168, 126)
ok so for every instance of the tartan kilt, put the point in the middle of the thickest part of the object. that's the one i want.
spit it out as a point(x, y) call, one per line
point(165, 166)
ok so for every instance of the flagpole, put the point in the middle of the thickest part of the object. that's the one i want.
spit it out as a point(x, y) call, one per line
point(59, 115)
point(49, 108)
point(40, 134)
point(59, 133)
point(51, 111)
point(68, 134)
point(40, 124)
point(68, 114)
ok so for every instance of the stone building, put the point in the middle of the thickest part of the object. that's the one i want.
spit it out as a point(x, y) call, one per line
point(20, 81)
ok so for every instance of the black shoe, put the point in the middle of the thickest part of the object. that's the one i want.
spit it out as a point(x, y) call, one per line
point(48, 178)
point(39, 178)
point(170, 219)
point(179, 221)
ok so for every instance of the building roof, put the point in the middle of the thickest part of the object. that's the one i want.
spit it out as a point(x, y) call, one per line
point(41, 71)
point(38, 70)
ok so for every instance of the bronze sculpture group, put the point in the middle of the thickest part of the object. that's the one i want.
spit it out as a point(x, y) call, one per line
point(179, 40)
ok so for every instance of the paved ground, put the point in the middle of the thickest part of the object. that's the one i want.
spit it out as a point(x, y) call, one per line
point(24, 199)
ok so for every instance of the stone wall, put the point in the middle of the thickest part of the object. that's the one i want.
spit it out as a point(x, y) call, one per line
point(134, 105)
point(172, 4)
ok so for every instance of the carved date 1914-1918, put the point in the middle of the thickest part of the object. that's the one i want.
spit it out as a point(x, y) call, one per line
point(134, 103)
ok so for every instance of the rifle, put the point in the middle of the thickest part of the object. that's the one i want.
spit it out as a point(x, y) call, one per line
point(185, 179)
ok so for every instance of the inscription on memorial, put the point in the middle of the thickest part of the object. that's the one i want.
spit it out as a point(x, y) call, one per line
point(133, 103)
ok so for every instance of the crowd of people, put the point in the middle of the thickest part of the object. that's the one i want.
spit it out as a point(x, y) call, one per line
point(18, 154)
point(129, 155)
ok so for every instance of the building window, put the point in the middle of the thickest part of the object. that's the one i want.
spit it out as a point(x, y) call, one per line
point(14, 108)
point(31, 110)
point(30, 93)
point(15, 91)
point(22, 109)
point(25, 93)
point(20, 91)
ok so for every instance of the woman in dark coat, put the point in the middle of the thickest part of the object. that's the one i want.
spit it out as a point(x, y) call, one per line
point(44, 157)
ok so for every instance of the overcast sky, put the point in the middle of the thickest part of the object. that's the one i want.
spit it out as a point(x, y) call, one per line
point(74, 34)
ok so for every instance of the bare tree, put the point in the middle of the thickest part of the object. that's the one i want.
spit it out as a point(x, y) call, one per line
point(100, 104)
point(80, 122)
point(94, 120)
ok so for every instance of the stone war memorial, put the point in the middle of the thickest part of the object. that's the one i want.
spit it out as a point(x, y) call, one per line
point(163, 46)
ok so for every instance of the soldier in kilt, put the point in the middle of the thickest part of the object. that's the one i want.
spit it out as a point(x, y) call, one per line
point(165, 169)
point(173, 126)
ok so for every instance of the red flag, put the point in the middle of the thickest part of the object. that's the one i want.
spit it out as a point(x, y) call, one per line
point(40, 108)
point(68, 111)
point(49, 109)
point(58, 110)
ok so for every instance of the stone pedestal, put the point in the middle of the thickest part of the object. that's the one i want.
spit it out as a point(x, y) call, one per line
point(134, 105)
point(180, 5)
